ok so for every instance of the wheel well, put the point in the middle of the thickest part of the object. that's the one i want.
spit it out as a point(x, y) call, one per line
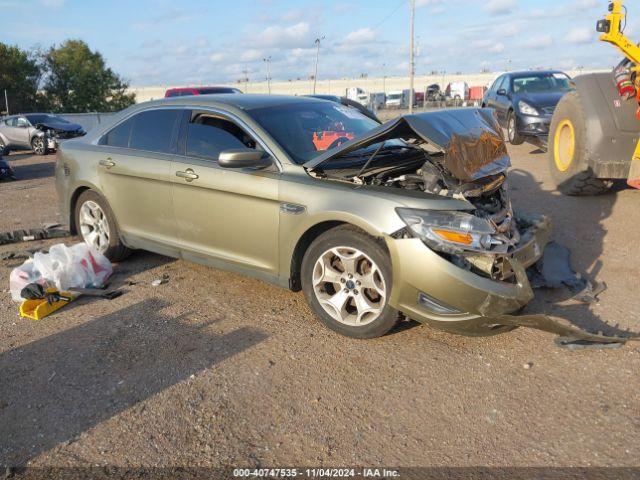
point(72, 208)
point(304, 241)
point(295, 282)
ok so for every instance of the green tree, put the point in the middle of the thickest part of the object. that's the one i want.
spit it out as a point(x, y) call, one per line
point(19, 76)
point(78, 80)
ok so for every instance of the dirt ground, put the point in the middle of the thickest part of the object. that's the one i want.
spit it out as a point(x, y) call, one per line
point(216, 369)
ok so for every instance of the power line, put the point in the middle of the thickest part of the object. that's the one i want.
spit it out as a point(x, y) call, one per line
point(389, 15)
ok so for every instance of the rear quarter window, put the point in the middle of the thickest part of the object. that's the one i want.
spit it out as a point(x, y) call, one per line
point(151, 131)
point(118, 136)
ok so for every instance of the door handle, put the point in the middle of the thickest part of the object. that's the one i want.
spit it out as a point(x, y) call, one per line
point(189, 175)
point(108, 163)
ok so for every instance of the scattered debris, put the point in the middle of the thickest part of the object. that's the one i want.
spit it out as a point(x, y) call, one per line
point(160, 281)
point(64, 268)
point(576, 344)
point(554, 270)
point(49, 231)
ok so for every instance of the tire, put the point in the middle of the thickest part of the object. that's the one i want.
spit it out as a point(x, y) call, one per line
point(113, 248)
point(365, 312)
point(512, 129)
point(39, 146)
point(568, 152)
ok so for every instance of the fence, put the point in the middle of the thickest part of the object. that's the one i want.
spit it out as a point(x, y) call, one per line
point(86, 120)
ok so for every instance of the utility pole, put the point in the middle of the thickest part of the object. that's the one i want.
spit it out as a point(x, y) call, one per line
point(267, 60)
point(315, 76)
point(245, 72)
point(411, 61)
point(6, 101)
point(384, 79)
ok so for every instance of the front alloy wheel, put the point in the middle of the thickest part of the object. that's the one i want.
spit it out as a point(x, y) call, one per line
point(512, 130)
point(39, 146)
point(349, 286)
point(94, 226)
point(346, 279)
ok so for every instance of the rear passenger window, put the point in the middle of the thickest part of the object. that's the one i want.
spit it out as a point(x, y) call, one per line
point(119, 136)
point(208, 136)
point(153, 131)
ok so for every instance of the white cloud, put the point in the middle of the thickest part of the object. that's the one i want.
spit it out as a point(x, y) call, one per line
point(285, 36)
point(489, 46)
point(251, 55)
point(53, 3)
point(498, 7)
point(581, 35)
point(218, 57)
point(538, 42)
point(363, 35)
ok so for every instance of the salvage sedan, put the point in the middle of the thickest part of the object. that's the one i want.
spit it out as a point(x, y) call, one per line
point(372, 222)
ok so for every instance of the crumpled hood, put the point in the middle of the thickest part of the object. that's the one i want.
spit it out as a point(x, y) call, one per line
point(470, 139)
point(59, 126)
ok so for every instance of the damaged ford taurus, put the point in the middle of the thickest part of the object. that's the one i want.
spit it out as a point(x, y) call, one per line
point(372, 222)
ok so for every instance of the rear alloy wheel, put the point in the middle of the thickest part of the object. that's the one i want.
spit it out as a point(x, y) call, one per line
point(512, 130)
point(38, 145)
point(346, 278)
point(96, 225)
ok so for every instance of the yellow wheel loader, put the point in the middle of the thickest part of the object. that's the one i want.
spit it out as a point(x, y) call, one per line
point(593, 138)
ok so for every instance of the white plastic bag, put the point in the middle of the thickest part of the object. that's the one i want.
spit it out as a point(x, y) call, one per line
point(65, 267)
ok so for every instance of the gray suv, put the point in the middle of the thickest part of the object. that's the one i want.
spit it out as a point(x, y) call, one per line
point(39, 132)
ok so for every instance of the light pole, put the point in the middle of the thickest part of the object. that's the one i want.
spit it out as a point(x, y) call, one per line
point(315, 76)
point(267, 60)
point(245, 72)
point(411, 61)
point(384, 78)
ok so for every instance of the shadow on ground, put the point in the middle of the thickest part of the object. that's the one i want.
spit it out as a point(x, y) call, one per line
point(33, 170)
point(585, 217)
point(55, 388)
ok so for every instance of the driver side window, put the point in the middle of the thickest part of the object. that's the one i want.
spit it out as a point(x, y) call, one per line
point(208, 135)
point(22, 122)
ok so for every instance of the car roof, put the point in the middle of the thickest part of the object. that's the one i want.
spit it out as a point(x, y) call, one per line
point(243, 101)
point(533, 72)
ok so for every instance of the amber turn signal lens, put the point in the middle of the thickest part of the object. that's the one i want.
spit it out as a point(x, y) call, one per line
point(456, 237)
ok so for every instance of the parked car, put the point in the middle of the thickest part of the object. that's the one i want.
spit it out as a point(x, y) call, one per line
point(188, 91)
point(6, 172)
point(395, 99)
point(458, 91)
point(349, 103)
point(434, 93)
point(525, 102)
point(40, 132)
point(372, 228)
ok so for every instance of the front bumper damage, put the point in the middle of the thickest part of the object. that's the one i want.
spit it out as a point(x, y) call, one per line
point(462, 302)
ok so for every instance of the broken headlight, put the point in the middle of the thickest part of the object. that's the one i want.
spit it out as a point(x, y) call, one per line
point(449, 231)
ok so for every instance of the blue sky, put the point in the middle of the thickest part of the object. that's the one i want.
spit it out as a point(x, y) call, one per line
point(154, 42)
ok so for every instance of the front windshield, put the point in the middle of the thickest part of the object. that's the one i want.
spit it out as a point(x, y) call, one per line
point(306, 129)
point(543, 82)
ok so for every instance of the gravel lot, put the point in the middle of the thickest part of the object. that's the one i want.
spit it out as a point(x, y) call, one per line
point(216, 369)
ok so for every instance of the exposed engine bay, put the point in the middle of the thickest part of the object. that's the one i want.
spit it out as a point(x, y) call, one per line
point(467, 164)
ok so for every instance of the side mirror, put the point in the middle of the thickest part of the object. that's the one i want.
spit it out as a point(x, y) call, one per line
point(502, 92)
point(244, 158)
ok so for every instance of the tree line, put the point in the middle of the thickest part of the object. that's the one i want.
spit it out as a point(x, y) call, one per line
point(66, 78)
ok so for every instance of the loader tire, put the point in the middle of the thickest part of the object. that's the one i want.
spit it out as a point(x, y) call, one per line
point(568, 153)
